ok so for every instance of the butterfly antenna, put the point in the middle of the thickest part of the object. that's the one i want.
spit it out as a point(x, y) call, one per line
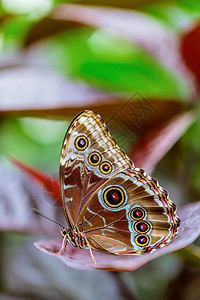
point(37, 212)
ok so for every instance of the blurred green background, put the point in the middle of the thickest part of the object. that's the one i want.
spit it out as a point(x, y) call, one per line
point(120, 49)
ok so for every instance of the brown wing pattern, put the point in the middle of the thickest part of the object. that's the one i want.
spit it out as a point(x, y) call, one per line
point(89, 157)
point(117, 207)
point(129, 214)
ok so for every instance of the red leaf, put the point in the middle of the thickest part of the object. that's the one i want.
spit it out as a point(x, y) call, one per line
point(81, 259)
point(49, 184)
point(191, 50)
point(156, 143)
point(18, 197)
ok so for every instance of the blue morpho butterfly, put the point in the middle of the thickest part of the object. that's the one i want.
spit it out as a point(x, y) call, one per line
point(110, 206)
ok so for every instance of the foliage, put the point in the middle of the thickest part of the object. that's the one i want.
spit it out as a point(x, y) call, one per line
point(137, 64)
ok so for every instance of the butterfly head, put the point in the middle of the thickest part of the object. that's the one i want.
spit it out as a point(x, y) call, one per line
point(64, 232)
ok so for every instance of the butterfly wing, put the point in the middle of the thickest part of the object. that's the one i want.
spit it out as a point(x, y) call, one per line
point(89, 157)
point(119, 209)
point(129, 214)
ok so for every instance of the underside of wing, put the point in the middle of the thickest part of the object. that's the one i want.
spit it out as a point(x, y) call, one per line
point(89, 157)
point(130, 214)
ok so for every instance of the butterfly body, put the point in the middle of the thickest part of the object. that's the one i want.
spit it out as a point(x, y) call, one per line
point(75, 238)
point(110, 205)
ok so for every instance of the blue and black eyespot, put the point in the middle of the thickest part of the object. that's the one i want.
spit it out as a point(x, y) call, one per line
point(81, 143)
point(114, 196)
point(141, 226)
point(137, 213)
point(94, 158)
point(142, 240)
point(105, 167)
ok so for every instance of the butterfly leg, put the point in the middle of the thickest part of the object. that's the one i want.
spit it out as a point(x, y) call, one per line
point(92, 255)
point(90, 249)
point(63, 247)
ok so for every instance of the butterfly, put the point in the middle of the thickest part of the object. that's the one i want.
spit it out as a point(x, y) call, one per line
point(110, 206)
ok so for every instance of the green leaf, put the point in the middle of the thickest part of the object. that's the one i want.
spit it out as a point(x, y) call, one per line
point(115, 64)
point(13, 31)
point(176, 14)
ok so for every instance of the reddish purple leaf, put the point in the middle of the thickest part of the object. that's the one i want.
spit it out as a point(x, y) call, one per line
point(36, 91)
point(29, 274)
point(53, 96)
point(48, 184)
point(81, 259)
point(18, 197)
point(60, 97)
point(47, 27)
point(191, 51)
point(137, 27)
point(156, 143)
